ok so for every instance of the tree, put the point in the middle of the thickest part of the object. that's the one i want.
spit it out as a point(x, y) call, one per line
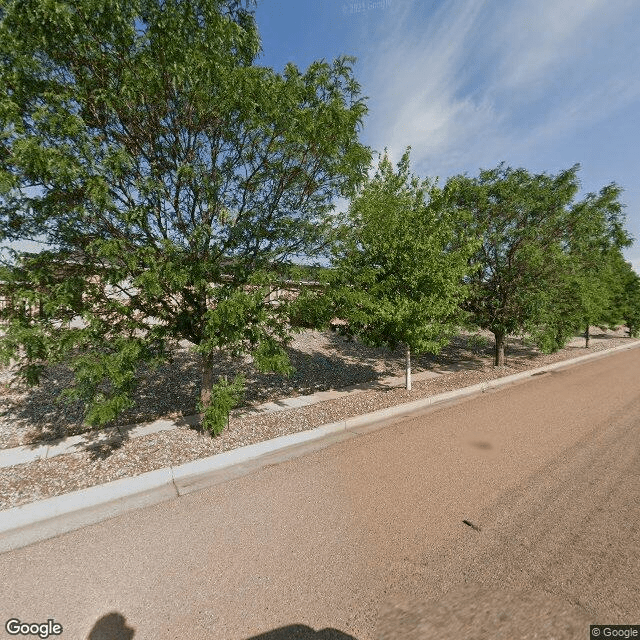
point(172, 179)
point(520, 220)
point(596, 237)
point(398, 277)
point(631, 309)
point(626, 295)
point(586, 287)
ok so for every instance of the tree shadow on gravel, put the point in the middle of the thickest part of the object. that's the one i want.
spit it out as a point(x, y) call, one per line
point(39, 417)
point(322, 361)
point(302, 632)
point(460, 353)
point(103, 450)
point(172, 390)
point(476, 351)
point(463, 352)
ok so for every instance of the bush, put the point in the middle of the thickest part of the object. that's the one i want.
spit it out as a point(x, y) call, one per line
point(224, 396)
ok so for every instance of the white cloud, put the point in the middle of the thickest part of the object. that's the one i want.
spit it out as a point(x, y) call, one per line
point(581, 111)
point(477, 82)
point(418, 85)
point(542, 36)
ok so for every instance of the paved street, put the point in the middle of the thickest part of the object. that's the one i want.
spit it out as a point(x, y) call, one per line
point(545, 473)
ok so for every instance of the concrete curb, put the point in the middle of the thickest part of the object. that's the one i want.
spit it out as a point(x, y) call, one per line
point(26, 524)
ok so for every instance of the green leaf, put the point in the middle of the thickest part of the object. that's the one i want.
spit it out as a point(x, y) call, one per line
point(172, 179)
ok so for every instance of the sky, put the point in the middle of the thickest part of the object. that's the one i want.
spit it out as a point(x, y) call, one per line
point(539, 84)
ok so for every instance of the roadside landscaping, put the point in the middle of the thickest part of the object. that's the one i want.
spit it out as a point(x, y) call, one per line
point(323, 361)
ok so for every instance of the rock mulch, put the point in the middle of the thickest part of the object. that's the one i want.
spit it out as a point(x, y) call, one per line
point(322, 360)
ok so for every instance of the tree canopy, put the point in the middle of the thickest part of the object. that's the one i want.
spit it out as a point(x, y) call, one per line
point(172, 178)
point(175, 183)
point(625, 294)
point(585, 293)
point(400, 269)
point(545, 262)
point(519, 219)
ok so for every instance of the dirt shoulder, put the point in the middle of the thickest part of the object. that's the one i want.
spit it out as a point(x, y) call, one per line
point(324, 357)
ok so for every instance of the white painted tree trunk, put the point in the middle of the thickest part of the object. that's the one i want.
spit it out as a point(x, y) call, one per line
point(407, 372)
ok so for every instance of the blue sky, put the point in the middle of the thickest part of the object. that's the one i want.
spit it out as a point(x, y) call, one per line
point(540, 84)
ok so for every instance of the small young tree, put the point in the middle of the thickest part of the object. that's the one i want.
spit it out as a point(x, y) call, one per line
point(172, 179)
point(398, 277)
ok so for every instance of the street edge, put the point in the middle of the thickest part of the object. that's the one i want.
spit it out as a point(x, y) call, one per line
point(36, 521)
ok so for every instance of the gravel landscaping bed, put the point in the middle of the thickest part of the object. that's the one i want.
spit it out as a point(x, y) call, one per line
point(323, 361)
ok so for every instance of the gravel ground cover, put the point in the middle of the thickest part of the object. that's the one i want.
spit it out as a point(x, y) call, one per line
point(323, 361)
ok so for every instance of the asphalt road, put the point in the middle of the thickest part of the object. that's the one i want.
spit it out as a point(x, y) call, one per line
point(367, 538)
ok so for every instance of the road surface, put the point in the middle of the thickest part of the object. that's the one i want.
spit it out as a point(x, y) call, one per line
point(546, 475)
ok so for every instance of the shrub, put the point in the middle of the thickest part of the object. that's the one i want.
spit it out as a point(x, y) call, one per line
point(224, 396)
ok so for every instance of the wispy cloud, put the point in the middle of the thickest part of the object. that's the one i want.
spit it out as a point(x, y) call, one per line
point(542, 38)
point(475, 82)
point(418, 82)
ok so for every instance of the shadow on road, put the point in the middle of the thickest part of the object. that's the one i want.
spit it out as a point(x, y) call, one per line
point(302, 632)
point(112, 626)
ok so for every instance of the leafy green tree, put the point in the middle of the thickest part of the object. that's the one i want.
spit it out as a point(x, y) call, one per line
point(589, 286)
point(596, 237)
point(626, 295)
point(398, 277)
point(520, 220)
point(173, 180)
point(632, 307)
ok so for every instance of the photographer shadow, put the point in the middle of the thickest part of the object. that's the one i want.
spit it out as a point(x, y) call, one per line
point(302, 632)
point(112, 626)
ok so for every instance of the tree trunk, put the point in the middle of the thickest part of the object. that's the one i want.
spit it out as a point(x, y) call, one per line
point(206, 364)
point(498, 360)
point(407, 371)
point(586, 337)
